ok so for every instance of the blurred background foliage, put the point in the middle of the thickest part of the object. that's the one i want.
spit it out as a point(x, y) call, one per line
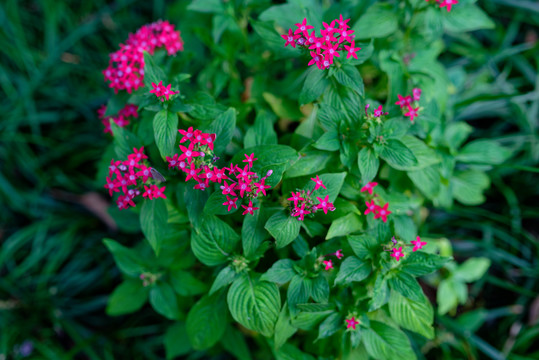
point(55, 273)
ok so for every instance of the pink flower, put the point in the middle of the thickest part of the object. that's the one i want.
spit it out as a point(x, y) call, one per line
point(172, 161)
point(148, 192)
point(418, 244)
point(328, 264)
point(417, 94)
point(303, 27)
point(137, 154)
point(343, 23)
point(188, 153)
point(290, 38)
point(316, 59)
point(158, 192)
point(158, 89)
point(397, 254)
point(228, 189)
point(371, 207)
point(379, 112)
point(261, 187)
point(111, 186)
point(231, 203)
point(295, 198)
point(346, 35)
point(412, 113)
point(369, 187)
point(192, 172)
point(243, 186)
point(448, 3)
point(318, 45)
point(187, 135)
point(339, 254)
point(383, 212)
point(249, 159)
point(329, 28)
point(301, 212)
point(324, 204)
point(351, 323)
point(404, 101)
point(318, 183)
point(249, 208)
point(331, 51)
point(351, 50)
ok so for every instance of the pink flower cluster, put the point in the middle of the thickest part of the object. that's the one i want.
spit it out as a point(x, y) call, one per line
point(304, 204)
point(326, 47)
point(197, 161)
point(398, 253)
point(126, 66)
point(130, 175)
point(447, 3)
point(372, 207)
point(329, 263)
point(162, 91)
point(410, 108)
point(121, 119)
point(351, 323)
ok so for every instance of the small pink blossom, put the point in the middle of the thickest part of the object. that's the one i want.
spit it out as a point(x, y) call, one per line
point(328, 264)
point(339, 254)
point(231, 203)
point(412, 113)
point(397, 253)
point(351, 323)
point(295, 198)
point(249, 208)
point(369, 187)
point(318, 183)
point(382, 212)
point(324, 204)
point(416, 93)
point(418, 244)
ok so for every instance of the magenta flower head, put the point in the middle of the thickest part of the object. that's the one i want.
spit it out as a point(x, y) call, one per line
point(339, 254)
point(418, 244)
point(318, 183)
point(397, 253)
point(328, 264)
point(369, 187)
point(448, 4)
point(351, 323)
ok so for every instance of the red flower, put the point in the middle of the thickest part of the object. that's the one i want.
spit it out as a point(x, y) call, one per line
point(303, 27)
point(249, 159)
point(192, 172)
point(172, 161)
point(383, 212)
point(261, 187)
point(295, 198)
point(448, 4)
point(231, 203)
point(249, 208)
point(351, 323)
point(351, 50)
point(417, 94)
point(371, 207)
point(412, 113)
point(111, 186)
point(187, 135)
point(418, 244)
point(318, 183)
point(369, 187)
point(328, 264)
point(343, 23)
point(301, 212)
point(290, 38)
point(324, 204)
point(188, 153)
point(397, 253)
point(404, 101)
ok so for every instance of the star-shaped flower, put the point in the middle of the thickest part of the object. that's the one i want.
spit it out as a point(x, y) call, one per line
point(418, 244)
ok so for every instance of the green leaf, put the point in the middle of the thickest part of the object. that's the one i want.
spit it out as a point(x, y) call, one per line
point(253, 232)
point(283, 328)
point(206, 321)
point(407, 286)
point(320, 290)
point(364, 246)
point(223, 127)
point(206, 6)
point(165, 128)
point(412, 315)
point(384, 342)
point(398, 155)
point(262, 132)
point(333, 184)
point(164, 301)
point(349, 76)
point(483, 152)
point(268, 34)
point(329, 141)
point(283, 228)
point(447, 294)
point(124, 141)
point(315, 84)
point(129, 262)
point(176, 341)
point(116, 103)
point(345, 225)
point(380, 292)
point(152, 72)
point(468, 187)
point(308, 320)
point(368, 164)
point(377, 22)
point(153, 221)
point(310, 162)
point(420, 263)
point(330, 325)
point(467, 17)
point(405, 227)
point(214, 205)
point(255, 304)
point(128, 297)
point(213, 241)
point(353, 269)
point(299, 291)
point(427, 180)
point(472, 269)
point(185, 284)
point(456, 133)
point(235, 343)
point(425, 155)
point(280, 272)
point(225, 277)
